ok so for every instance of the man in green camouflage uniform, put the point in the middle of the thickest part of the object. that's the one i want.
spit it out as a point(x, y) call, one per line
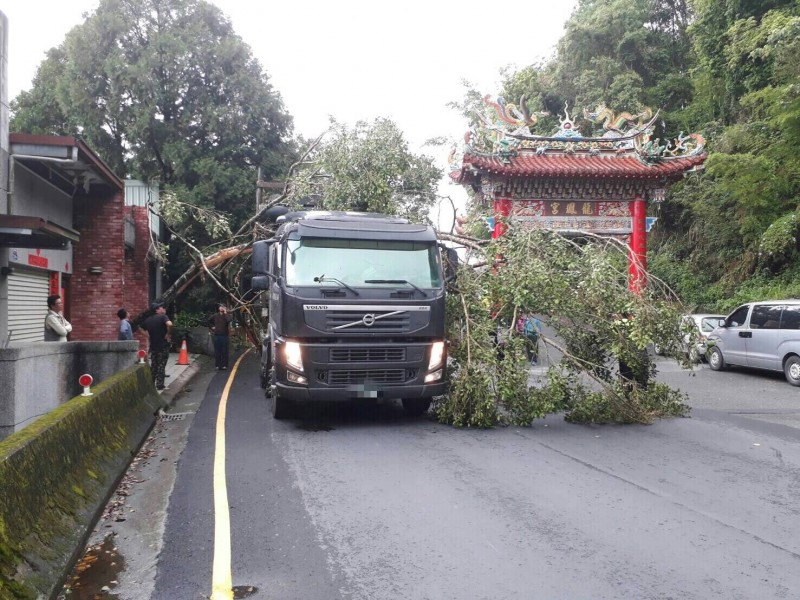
point(159, 328)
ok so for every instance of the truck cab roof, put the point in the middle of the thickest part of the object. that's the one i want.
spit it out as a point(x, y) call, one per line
point(353, 225)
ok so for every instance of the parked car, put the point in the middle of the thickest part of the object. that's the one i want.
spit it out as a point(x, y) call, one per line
point(695, 328)
point(763, 335)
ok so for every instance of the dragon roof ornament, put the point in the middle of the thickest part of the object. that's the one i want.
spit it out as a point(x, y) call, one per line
point(504, 131)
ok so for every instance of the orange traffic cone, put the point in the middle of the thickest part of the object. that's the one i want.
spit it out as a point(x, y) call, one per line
point(183, 357)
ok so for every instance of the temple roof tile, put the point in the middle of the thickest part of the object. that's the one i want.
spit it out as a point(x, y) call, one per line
point(577, 165)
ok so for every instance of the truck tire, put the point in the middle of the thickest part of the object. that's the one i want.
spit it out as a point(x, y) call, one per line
point(715, 359)
point(265, 366)
point(282, 408)
point(416, 407)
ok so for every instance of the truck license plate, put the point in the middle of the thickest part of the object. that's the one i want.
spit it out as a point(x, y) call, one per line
point(366, 391)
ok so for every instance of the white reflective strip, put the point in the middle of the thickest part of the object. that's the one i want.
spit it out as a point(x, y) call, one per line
point(366, 307)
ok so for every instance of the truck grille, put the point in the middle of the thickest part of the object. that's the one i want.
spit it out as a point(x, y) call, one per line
point(361, 322)
point(339, 355)
point(367, 376)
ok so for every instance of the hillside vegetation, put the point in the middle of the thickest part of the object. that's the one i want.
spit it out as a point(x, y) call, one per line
point(729, 70)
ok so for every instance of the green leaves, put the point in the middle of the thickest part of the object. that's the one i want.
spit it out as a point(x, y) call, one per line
point(369, 167)
point(165, 90)
point(600, 331)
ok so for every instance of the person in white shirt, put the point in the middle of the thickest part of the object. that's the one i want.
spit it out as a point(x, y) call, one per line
point(56, 327)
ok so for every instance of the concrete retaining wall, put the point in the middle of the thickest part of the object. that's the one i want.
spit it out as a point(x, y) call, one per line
point(57, 474)
point(40, 376)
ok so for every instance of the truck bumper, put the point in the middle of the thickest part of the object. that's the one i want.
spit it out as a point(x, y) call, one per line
point(323, 394)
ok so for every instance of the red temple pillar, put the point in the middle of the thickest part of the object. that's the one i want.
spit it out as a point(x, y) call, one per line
point(637, 255)
point(502, 210)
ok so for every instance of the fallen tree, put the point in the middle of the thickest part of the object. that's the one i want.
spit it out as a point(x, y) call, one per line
point(596, 333)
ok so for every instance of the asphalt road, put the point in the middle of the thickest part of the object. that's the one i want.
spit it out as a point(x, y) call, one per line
point(752, 393)
point(366, 503)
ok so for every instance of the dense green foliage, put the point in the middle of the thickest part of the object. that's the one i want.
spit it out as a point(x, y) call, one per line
point(580, 292)
point(726, 69)
point(368, 167)
point(165, 91)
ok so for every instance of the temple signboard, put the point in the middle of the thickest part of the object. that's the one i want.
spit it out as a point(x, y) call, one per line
point(600, 217)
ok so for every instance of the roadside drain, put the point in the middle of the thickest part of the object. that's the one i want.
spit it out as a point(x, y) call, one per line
point(174, 416)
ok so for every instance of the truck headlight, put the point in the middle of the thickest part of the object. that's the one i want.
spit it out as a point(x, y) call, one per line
point(435, 376)
point(293, 356)
point(437, 355)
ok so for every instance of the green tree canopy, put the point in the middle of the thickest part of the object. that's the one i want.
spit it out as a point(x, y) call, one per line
point(164, 90)
point(368, 167)
point(727, 69)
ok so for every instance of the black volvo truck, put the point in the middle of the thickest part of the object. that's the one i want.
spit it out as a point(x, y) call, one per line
point(356, 310)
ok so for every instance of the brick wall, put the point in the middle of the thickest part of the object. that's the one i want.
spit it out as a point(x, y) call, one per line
point(95, 299)
point(137, 269)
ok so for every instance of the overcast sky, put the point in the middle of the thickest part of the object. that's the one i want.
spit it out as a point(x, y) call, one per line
point(351, 59)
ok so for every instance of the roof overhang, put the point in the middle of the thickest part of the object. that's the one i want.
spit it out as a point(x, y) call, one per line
point(34, 232)
point(65, 161)
point(532, 165)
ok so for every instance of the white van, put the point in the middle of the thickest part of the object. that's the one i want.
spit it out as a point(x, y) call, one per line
point(764, 335)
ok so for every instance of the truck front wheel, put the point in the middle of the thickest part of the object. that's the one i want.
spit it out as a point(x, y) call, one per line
point(415, 407)
point(282, 408)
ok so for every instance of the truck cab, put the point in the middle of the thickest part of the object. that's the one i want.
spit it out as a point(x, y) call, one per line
point(356, 309)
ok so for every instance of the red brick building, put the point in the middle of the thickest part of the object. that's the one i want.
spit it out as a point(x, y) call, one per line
point(67, 228)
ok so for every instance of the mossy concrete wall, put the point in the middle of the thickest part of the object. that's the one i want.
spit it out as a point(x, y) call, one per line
point(57, 474)
point(39, 376)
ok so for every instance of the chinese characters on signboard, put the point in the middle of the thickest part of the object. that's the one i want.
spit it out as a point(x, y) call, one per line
point(598, 217)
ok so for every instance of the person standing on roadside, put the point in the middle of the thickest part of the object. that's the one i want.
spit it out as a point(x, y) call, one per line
point(159, 329)
point(219, 326)
point(56, 327)
point(125, 331)
point(531, 328)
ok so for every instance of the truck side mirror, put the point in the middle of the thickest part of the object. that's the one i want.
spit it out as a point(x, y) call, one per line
point(260, 257)
point(260, 283)
point(261, 267)
point(450, 263)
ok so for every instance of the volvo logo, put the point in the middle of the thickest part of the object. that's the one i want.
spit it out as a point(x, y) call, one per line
point(368, 320)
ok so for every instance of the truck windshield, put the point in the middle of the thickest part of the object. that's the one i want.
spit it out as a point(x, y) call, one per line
point(355, 261)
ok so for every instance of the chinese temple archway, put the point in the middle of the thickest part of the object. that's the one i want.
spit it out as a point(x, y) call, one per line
point(571, 183)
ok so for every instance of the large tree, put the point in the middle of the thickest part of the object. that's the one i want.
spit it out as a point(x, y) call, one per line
point(368, 167)
point(166, 91)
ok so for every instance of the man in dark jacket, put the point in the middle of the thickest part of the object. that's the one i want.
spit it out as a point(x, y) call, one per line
point(219, 327)
point(159, 328)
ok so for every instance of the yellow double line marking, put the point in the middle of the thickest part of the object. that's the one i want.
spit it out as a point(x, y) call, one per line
point(221, 577)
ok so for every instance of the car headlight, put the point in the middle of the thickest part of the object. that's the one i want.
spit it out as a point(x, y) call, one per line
point(293, 356)
point(437, 355)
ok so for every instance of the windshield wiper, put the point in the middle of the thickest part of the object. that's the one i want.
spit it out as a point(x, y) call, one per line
point(420, 290)
point(322, 279)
